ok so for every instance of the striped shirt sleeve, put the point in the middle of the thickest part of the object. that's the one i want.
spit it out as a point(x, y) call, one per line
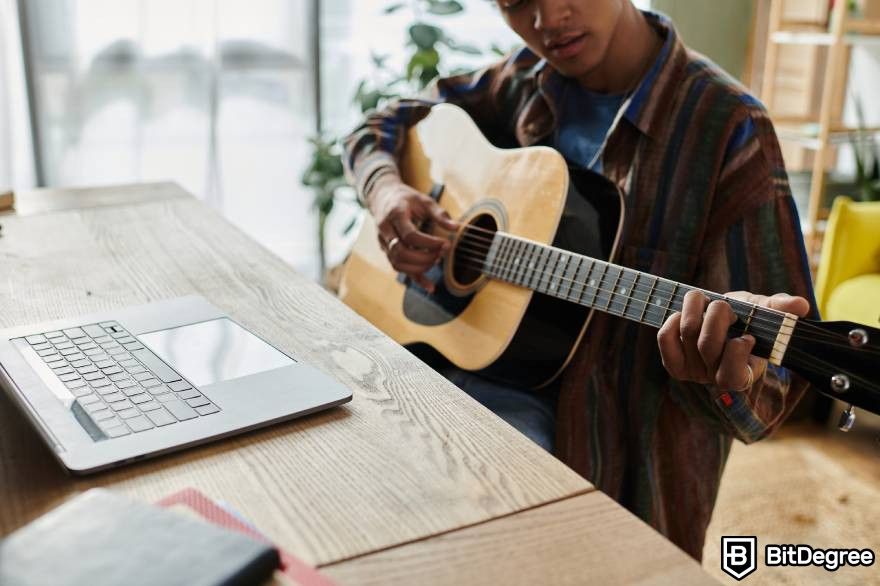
point(376, 144)
point(755, 245)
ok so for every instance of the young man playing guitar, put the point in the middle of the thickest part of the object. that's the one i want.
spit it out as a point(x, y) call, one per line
point(647, 417)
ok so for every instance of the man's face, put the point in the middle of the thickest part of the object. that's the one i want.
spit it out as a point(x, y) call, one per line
point(573, 35)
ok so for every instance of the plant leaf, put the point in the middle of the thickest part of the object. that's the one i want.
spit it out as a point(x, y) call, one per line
point(425, 36)
point(444, 7)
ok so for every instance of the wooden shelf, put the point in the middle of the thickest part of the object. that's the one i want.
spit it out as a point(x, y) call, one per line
point(823, 38)
point(806, 134)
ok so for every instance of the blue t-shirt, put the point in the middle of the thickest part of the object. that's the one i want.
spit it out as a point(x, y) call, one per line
point(584, 120)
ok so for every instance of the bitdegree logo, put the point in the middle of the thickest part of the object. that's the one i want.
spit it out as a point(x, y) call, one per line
point(806, 555)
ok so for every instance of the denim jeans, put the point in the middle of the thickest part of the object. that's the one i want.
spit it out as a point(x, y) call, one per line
point(532, 413)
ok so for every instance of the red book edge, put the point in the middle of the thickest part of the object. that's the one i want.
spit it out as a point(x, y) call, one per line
point(291, 566)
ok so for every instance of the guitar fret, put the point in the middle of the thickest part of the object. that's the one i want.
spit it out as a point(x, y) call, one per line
point(559, 274)
point(631, 295)
point(583, 281)
point(611, 292)
point(498, 265)
point(598, 285)
point(519, 261)
point(648, 299)
point(669, 303)
point(570, 274)
point(505, 255)
point(543, 257)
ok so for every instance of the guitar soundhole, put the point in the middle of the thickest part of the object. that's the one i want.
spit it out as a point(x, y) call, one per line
point(471, 249)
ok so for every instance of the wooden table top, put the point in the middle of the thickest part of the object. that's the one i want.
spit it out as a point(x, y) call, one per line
point(411, 457)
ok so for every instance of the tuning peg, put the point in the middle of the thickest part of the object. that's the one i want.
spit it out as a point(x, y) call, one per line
point(847, 419)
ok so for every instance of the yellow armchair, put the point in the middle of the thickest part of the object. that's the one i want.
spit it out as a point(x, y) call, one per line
point(848, 283)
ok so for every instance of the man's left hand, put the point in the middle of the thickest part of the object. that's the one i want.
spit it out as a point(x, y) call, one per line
point(695, 347)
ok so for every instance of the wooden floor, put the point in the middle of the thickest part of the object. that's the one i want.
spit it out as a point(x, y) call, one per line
point(806, 485)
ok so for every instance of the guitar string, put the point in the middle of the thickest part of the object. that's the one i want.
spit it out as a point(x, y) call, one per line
point(773, 327)
point(771, 332)
point(818, 331)
point(623, 281)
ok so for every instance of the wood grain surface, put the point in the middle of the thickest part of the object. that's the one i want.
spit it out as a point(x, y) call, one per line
point(41, 201)
point(587, 539)
point(410, 457)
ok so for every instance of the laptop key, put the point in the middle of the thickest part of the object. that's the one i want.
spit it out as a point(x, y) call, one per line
point(80, 340)
point(88, 399)
point(36, 339)
point(93, 376)
point(189, 394)
point(54, 335)
point(106, 363)
point(180, 410)
point(139, 424)
point(47, 352)
point(113, 397)
point(123, 382)
point(208, 409)
point(94, 406)
point(102, 339)
point(149, 406)
point(128, 413)
point(63, 345)
point(198, 402)
point(66, 378)
point(159, 368)
point(116, 431)
point(140, 398)
point(142, 376)
point(150, 383)
point(86, 369)
point(43, 346)
point(121, 405)
point(93, 351)
point(180, 385)
point(81, 363)
point(102, 415)
point(111, 370)
point(160, 417)
point(80, 391)
point(77, 356)
point(166, 397)
point(116, 351)
point(75, 384)
point(101, 382)
point(131, 346)
point(62, 369)
point(86, 346)
point(135, 369)
point(94, 331)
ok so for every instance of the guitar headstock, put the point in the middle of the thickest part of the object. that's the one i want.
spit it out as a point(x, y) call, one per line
point(840, 359)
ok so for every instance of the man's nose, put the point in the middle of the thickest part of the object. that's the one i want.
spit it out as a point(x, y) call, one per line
point(551, 15)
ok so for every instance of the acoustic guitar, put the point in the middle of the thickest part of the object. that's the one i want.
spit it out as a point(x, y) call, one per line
point(528, 268)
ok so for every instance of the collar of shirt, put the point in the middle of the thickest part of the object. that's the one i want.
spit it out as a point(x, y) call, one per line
point(641, 109)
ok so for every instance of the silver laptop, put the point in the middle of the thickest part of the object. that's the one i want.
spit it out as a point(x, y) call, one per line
point(115, 387)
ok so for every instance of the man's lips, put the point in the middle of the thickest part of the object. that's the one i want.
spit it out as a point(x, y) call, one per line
point(566, 47)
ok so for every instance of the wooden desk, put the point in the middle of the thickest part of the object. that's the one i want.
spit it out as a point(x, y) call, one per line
point(411, 457)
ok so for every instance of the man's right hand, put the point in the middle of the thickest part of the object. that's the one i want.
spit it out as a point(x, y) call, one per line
point(399, 210)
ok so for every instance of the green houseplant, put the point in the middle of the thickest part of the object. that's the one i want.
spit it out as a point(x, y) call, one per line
point(426, 43)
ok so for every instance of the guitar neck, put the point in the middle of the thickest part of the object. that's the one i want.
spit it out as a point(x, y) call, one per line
point(620, 291)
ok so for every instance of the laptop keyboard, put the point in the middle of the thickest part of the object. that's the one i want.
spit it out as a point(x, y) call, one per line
point(119, 384)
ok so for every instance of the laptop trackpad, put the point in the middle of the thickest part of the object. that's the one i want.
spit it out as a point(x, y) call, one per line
point(214, 351)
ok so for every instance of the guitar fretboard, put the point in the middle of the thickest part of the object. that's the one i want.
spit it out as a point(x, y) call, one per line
point(610, 288)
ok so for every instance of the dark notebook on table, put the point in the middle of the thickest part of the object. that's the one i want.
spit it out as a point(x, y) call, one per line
point(101, 538)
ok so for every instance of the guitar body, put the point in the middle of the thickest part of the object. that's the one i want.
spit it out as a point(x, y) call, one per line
point(497, 329)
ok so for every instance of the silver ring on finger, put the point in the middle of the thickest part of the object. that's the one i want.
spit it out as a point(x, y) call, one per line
point(750, 382)
point(392, 243)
